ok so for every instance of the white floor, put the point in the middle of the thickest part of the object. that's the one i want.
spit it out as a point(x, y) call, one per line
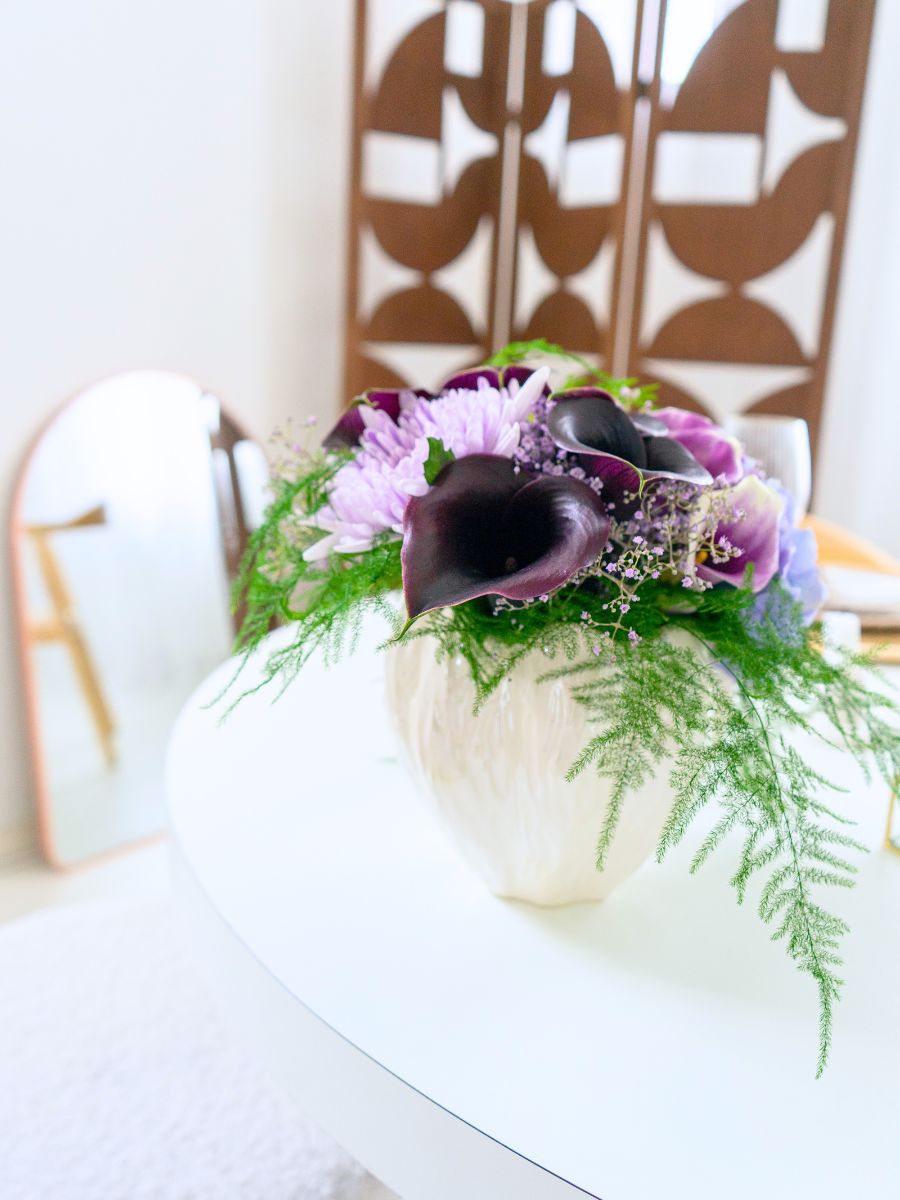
point(28, 884)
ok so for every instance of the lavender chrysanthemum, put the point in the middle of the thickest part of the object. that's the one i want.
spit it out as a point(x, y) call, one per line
point(369, 495)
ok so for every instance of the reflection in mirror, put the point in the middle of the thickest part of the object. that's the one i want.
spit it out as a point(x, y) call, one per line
point(131, 517)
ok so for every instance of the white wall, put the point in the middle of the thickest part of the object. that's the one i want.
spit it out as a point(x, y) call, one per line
point(173, 196)
point(859, 461)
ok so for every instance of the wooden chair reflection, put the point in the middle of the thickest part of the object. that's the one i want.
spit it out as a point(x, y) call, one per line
point(62, 625)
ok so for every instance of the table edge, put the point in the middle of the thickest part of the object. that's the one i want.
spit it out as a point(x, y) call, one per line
point(194, 896)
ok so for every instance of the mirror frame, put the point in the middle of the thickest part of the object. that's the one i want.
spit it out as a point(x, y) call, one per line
point(236, 432)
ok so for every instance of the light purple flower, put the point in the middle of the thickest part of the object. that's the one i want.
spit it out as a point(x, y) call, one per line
point(351, 425)
point(484, 420)
point(369, 495)
point(712, 447)
point(798, 554)
point(754, 531)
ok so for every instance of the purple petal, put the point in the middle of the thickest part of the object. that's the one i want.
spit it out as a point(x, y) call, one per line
point(682, 420)
point(798, 557)
point(800, 574)
point(467, 381)
point(349, 428)
point(520, 375)
point(712, 447)
point(618, 476)
point(484, 529)
point(756, 534)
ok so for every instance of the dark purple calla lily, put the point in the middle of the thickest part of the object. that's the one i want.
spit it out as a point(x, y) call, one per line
point(620, 447)
point(485, 528)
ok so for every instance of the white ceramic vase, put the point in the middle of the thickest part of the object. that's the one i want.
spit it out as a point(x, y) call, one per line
point(497, 779)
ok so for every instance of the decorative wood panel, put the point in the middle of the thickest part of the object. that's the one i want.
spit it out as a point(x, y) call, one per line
point(572, 169)
point(740, 254)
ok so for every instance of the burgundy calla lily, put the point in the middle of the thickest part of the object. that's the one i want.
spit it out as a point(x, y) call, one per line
point(485, 528)
point(620, 447)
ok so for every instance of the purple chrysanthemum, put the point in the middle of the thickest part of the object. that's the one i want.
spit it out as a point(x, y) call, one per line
point(369, 495)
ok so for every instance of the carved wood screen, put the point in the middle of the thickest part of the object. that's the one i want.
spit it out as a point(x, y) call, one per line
point(661, 185)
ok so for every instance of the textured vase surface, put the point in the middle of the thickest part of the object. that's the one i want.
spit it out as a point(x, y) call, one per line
point(497, 779)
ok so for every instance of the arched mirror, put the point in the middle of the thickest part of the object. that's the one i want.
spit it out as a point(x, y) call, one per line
point(130, 519)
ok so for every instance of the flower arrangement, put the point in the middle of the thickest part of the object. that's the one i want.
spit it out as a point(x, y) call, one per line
point(586, 524)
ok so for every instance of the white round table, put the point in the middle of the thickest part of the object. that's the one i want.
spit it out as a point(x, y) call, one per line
point(470, 1048)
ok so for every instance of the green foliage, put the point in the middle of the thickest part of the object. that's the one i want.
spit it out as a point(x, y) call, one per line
point(438, 457)
point(273, 567)
point(325, 600)
point(516, 352)
point(629, 392)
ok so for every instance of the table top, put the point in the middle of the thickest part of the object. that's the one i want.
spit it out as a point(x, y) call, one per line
point(653, 1045)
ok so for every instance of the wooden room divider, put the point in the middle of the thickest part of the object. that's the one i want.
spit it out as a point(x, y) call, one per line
point(661, 184)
